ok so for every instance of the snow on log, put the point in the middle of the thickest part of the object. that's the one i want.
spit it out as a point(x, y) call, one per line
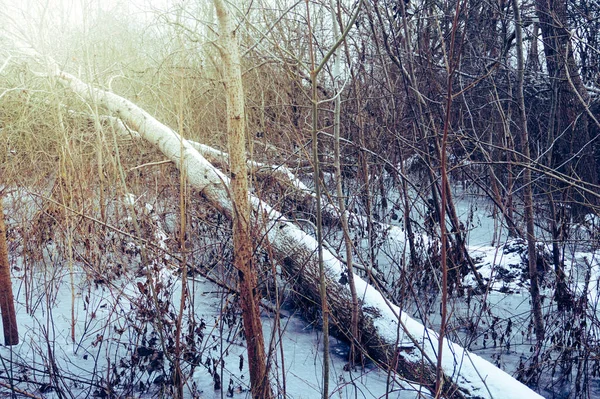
point(281, 172)
point(298, 191)
point(390, 336)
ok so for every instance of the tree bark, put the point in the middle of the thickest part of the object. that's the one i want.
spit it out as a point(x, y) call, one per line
point(534, 289)
point(7, 302)
point(242, 238)
point(573, 152)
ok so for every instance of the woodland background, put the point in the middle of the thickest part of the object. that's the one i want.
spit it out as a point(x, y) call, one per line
point(364, 124)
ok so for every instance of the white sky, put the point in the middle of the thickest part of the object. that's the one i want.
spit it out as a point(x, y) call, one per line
point(30, 15)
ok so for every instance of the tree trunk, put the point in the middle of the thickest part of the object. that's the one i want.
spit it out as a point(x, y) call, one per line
point(354, 332)
point(7, 302)
point(534, 289)
point(573, 152)
point(242, 238)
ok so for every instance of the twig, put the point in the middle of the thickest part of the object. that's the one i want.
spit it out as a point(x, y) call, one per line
point(19, 391)
point(150, 164)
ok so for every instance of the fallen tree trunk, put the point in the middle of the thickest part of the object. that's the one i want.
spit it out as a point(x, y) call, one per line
point(295, 190)
point(389, 336)
point(281, 173)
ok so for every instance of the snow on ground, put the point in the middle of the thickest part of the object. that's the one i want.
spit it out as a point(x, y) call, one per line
point(500, 267)
point(108, 336)
point(116, 338)
point(121, 333)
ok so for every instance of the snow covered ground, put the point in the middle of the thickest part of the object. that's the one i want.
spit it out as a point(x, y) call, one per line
point(111, 342)
point(118, 349)
point(123, 335)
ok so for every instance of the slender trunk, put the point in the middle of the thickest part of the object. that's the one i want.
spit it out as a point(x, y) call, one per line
point(506, 205)
point(314, 72)
point(445, 200)
point(557, 227)
point(242, 241)
point(340, 192)
point(414, 258)
point(533, 61)
point(7, 302)
point(528, 192)
point(178, 380)
point(444, 243)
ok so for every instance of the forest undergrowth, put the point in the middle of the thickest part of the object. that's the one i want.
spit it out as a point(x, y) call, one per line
point(440, 159)
point(111, 274)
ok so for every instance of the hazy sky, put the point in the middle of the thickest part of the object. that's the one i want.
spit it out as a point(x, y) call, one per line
point(29, 15)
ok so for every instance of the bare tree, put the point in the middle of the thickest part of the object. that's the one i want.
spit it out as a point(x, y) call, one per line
point(528, 192)
point(569, 131)
point(242, 237)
